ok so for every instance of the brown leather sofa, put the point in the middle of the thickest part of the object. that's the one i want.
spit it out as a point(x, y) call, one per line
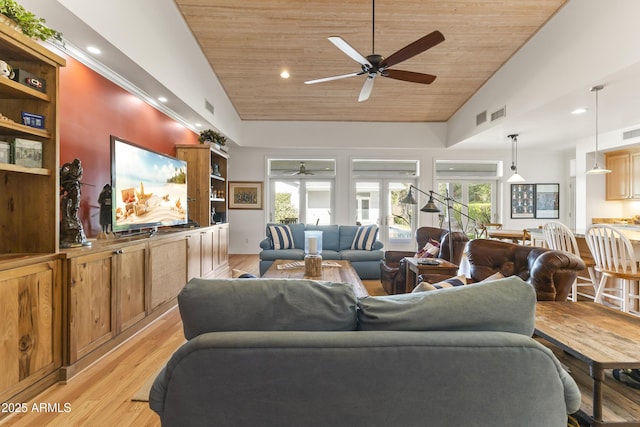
point(393, 270)
point(551, 273)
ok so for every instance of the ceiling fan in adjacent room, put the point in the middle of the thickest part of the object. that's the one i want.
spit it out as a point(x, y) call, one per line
point(302, 170)
point(375, 64)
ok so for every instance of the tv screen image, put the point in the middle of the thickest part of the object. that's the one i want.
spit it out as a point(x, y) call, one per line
point(149, 188)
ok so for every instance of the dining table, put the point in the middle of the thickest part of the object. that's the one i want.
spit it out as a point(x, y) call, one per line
point(516, 236)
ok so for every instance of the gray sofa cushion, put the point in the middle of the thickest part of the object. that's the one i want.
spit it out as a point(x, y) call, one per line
point(361, 255)
point(506, 305)
point(215, 305)
point(274, 254)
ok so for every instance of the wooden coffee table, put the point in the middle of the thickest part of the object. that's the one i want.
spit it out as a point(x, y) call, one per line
point(343, 273)
point(602, 338)
point(414, 269)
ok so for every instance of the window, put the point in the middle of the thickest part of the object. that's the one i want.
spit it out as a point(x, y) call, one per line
point(301, 190)
point(473, 185)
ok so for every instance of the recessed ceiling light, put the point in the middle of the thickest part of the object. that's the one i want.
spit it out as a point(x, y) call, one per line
point(162, 99)
point(285, 74)
point(579, 111)
point(198, 125)
point(94, 50)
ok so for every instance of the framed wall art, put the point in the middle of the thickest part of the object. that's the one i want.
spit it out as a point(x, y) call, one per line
point(246, 195)
point(548, 201)
point(523, 200)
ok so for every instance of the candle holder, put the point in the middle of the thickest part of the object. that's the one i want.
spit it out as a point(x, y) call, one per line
point(313, 251)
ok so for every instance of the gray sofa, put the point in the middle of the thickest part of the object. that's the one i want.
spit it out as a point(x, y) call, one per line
point(277, 352)
point(336, 244)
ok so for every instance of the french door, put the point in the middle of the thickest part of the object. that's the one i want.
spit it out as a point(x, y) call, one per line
point(377, 201)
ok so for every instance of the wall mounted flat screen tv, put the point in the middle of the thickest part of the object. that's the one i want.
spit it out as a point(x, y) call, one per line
point(149, 189)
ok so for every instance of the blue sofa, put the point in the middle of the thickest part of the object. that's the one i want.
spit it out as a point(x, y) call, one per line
point(336, 245)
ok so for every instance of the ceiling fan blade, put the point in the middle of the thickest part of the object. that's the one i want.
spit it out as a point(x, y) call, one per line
point(327, 79)
point(413, 49)
point(409, 76)
point(350, 51)
point(366, 89)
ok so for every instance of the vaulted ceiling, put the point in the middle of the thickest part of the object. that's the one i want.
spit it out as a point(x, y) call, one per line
point(249, 43)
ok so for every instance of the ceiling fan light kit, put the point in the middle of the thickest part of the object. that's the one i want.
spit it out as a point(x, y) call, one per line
point(597, 170)
point(374, 64)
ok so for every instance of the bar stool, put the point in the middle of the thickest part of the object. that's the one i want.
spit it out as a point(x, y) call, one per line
point(614, 259)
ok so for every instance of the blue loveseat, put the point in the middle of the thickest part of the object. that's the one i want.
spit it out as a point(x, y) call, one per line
point(336, 244)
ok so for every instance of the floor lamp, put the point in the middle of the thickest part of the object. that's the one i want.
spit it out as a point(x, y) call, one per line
point(433, 208)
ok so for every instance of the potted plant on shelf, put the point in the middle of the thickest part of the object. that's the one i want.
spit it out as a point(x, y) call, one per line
point(26, 22)
point(214, 137)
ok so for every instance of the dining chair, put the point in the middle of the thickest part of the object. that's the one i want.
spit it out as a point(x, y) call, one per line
point(614, 259)
point(559, 237)
point(481, 229)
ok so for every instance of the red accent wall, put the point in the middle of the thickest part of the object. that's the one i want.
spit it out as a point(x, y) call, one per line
point(91, 109)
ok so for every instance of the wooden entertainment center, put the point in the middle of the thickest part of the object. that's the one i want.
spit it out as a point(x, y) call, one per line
point(61, 310)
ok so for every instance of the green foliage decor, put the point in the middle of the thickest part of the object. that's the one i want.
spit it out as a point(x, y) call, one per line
point(30, 24)
point(212, 135)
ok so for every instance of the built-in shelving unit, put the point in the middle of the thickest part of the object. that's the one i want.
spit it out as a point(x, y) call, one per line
point(29, 219)
point(207, 182)
point(30, 268)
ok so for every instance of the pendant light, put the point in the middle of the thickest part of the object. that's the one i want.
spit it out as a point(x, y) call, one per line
point(516, 177)
point(597, 170)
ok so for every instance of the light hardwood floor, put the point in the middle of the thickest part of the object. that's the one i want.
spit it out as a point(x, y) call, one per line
point(101, 394)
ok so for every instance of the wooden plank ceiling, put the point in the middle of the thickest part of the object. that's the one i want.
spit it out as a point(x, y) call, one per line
point(249, 42)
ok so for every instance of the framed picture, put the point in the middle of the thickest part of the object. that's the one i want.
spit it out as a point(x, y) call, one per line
point(523, 200)
point(246, 195)
point(548, 201)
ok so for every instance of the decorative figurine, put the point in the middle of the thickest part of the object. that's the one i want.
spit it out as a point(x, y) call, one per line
point(104, 199)
point(71, 231)
point(6, 70)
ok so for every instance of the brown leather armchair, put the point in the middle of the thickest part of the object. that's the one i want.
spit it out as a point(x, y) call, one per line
point(393, 270)
point(551, 273)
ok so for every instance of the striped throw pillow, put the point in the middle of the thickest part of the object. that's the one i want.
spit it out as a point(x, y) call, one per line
point(365, 237)
point(281, 237)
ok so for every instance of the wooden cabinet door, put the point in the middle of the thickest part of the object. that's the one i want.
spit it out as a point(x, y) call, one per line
point(30, 315)
point(619, 180)
point(223, 245)
point(91, 303)
point(208, 252)
point(635, 176)
point(194, 263)
point(130, 278)
point(168, 269)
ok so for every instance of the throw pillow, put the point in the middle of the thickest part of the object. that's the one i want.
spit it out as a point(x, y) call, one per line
point(240, 274)
point(365, 237)
point(430, 250)
point(449, 283)
point(281, 237)
point(495, 276)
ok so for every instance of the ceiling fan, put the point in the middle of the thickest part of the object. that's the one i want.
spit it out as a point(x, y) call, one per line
point(303, 170)
point(374, 64)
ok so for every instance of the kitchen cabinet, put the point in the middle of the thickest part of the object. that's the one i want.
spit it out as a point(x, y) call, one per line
point(623, 183)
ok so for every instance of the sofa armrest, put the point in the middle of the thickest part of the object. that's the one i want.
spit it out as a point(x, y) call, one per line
point(377, 245)
point(393, 257)
point(265, 244)
point(552, 273)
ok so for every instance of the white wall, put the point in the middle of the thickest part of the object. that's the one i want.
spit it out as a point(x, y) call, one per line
point(249, 164)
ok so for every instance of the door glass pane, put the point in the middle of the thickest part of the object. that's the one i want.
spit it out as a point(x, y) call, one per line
point(318, 202)
point(367, 202)
point(401, 218)
point(286, 202)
